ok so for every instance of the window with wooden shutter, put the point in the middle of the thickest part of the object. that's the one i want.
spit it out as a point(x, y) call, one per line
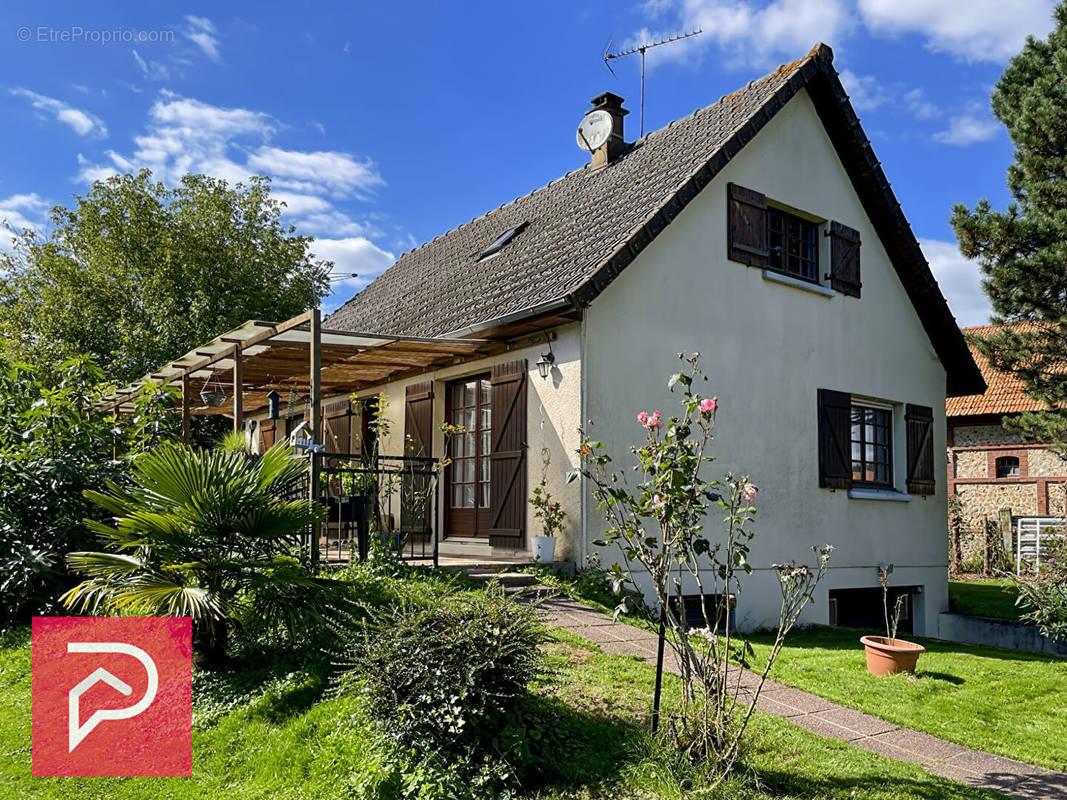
point(835, 432)
point(920, 425)
point(844, 259)
point(416, 497)
point(746, 226)
point(507, 465)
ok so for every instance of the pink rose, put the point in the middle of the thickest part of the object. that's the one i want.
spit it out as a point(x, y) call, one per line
point(657, 501)
point(749, 491)
point(642, 418)
point(654, 421)
point(707, 405)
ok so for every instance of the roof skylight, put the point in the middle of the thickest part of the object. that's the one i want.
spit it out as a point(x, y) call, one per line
point(498, 243)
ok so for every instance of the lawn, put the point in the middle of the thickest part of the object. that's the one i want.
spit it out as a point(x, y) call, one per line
point(268, 731)
point(983, 597)
point(1005, 702)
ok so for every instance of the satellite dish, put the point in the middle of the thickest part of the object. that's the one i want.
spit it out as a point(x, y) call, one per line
point(594, 130)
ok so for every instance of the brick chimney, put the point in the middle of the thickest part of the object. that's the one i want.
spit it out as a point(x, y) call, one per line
point(612, 104)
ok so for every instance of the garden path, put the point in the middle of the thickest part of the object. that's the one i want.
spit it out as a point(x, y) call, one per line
point(947, 759)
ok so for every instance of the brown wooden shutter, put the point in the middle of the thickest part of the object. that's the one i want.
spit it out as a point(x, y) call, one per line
point(416, 502)
point(845, 259)
point(746, 226)
point(507, 458)
point(920, 425)
point(266, 434)
point(335, 420)
point(418, 420)
point(835, 439)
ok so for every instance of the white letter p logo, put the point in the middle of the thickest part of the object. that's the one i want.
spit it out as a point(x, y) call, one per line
point(78, 732)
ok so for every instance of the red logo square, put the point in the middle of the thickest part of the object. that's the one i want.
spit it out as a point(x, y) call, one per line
point(112, 696)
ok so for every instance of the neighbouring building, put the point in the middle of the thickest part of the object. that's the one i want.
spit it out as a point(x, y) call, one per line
point(760, 231)
point(990, 467)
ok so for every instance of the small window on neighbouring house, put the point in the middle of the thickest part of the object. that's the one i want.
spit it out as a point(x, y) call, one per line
point(872, 445)
point(793, 245)
point(1008, 467)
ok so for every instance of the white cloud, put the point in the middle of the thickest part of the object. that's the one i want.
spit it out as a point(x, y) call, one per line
point(970, 30)
point(153, 70)
point(354, 254)
point(864, 91)
point(919, 107)
point(972, 127)
point(960, 281)
point(339, 172)
point(202, 32)
point(81, 122)
point(749, 34)
point(18, 212)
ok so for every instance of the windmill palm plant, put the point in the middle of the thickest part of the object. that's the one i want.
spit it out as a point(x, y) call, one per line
point(206, 534)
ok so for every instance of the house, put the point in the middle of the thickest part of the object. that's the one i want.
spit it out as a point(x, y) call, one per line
point(991, 468)
point(759, 231)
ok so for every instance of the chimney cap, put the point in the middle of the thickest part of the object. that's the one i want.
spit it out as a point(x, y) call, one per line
point(609, 101)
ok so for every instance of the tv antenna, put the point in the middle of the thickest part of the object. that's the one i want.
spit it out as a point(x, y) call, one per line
point(642, 49)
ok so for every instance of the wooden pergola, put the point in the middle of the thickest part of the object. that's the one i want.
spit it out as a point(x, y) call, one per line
point(250, 361)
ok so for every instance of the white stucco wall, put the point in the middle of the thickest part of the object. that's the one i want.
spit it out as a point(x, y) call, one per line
point(553, 419)
point(767, 349)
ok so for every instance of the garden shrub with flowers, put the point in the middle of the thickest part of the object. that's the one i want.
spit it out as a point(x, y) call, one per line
point(659, 526)
point(1043, 595)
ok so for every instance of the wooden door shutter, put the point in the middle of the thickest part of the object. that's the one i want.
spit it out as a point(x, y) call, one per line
point(835, 439)
point(335, 420)
point(845, 259)
point(266, 434)
point(920, 425)
point(746, 226)
point(507, 457)
point(418, 420)
point(416, 496)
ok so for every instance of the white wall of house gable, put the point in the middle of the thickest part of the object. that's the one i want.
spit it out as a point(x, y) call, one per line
point(767, 348)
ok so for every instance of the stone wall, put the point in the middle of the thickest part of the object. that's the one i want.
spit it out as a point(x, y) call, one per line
point(970, 435)
point(972, 464)
point(986, 499)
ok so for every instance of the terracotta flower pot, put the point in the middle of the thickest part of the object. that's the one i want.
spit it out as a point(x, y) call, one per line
point(884, 658)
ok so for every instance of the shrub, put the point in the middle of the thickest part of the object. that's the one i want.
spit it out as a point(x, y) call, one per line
point(1043, 597)
point(206, 534)
point(443, 680)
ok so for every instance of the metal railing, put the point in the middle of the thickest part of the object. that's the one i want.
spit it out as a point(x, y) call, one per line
point(1032, 535)
point(389, 503)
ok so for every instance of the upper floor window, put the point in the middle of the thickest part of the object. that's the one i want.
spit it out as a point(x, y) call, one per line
point(872, 460)
point(1007, 467)
point(792, 244)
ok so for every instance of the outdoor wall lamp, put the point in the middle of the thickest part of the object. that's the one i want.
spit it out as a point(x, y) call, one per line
point(546, 361)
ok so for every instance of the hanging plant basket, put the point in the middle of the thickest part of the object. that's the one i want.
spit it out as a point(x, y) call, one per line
point(212, 397)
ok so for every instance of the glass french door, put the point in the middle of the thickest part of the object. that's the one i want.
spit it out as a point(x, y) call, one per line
point(467, 477)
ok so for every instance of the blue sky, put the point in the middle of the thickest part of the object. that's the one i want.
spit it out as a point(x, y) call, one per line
point(386, 124)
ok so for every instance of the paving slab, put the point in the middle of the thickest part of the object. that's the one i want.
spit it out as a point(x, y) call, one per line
point(950, 760)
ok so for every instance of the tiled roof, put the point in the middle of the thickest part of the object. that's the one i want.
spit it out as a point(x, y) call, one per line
point(583, 229)
point(1004, 393)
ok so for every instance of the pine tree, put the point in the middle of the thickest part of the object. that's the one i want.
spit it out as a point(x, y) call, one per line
point(1022, 251)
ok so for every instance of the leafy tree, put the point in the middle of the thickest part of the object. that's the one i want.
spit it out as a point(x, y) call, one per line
point(136, 273)
point(206, 534)
point(1023, 251)
point(51, 449)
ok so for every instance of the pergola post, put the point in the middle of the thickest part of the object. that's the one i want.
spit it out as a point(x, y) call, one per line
point(316, 420)
point(185, 409)
point(238, 391)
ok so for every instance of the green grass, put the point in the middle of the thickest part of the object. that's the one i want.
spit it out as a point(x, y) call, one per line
point(990, 597)
point(1005, 702)
point(267, 731)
